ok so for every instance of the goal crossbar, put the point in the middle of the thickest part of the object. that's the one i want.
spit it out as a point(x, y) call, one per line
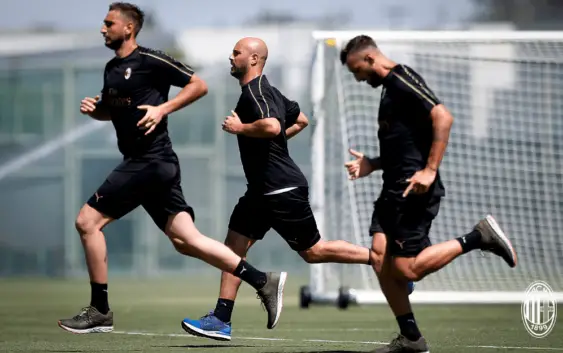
point(444, 36)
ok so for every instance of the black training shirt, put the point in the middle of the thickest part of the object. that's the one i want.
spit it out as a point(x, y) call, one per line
point(142, 78)
point(266, 161)
point(405, 128)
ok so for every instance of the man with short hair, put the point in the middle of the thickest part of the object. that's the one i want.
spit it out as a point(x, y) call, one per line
point(414, 128)
point(135, 98)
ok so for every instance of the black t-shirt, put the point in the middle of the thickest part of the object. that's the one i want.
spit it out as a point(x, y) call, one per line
point(266, 161)
point(405, 128)
point(142, 78)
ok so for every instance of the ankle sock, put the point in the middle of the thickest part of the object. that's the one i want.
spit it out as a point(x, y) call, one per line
point(224, 309)
point(99, 297)
point(470, 241)
point(250, 275)
point(408, 327)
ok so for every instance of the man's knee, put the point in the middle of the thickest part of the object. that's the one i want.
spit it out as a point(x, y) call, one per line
point(318, 252)
point(83, 223)
point(314, 254)
point(407, 268)
point(181, 246)
point(405, 255)
point(182, 232)
point(89, 220)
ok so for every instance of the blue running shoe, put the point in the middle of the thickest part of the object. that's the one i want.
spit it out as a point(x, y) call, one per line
point(209, 326)
point(411, 287)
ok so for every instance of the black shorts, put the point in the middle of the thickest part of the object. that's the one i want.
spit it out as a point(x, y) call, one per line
point(288, 213)
point(153, 184)
point(405, 221)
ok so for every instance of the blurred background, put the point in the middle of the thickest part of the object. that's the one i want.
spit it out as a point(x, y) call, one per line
point(52, 158)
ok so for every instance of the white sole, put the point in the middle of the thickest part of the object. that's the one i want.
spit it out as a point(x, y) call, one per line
point(281, 284)
point(206, 334)
point(493, 223)
point(98, 329)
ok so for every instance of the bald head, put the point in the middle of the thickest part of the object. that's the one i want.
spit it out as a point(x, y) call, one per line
point(255, 46)
point(249, 55)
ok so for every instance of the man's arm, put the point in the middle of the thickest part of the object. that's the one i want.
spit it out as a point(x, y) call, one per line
point(192, 91)
point(425, 101)
point(362, 166)
point(295, 120)
point(263, 104)
point(263, 128)
point(300, 123)
point(175, 73)
point(442, 121)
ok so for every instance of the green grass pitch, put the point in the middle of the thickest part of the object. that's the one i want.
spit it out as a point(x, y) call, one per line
point(148, 315)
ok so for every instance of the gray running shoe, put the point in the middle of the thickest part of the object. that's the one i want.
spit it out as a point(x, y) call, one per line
point(89, 320)
point(402, 345)
point(495, 241)
point(272, 296)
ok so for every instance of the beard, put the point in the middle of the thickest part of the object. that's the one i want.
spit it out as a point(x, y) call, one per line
point(114, 44)
point(236, 72)
point(374, 80)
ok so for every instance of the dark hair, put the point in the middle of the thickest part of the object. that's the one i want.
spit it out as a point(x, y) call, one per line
point(132, 12)
point(356, 44)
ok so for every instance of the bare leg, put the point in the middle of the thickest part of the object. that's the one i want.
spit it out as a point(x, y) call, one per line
point(430, 260)
point(337, 251)
point(89, 224)
point(486, 235)
point(187, 239)
point(97, 317)
point(393, 279)
point(323, 251)
point(394, 288)
point(240, 245)
point(230, 284)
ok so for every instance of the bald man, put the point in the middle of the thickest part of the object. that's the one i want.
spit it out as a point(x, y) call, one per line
point(277, 196)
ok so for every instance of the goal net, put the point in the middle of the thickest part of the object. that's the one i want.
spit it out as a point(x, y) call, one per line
point(505, 157)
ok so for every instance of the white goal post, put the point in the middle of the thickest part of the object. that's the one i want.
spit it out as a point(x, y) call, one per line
point(505, 157)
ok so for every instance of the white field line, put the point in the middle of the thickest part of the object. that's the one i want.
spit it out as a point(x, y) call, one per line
point(133, 333)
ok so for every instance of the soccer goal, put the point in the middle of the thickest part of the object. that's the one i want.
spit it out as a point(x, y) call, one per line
point(505, 157)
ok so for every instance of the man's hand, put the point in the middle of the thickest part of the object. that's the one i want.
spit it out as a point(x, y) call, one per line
point(88, 105)
point(232, 124)
point(420, 182)
point(358, 168)
point(152, 118)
